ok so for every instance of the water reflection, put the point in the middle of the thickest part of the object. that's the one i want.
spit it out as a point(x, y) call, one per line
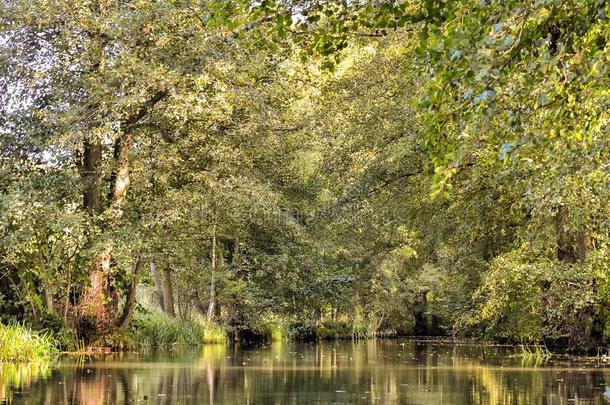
point(373, 372)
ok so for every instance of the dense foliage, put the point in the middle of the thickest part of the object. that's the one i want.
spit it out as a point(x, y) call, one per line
point(332, 169)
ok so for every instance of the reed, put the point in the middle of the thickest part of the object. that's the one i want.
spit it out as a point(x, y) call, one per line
point(161, 331)
point(19, 343)
point(214, 334)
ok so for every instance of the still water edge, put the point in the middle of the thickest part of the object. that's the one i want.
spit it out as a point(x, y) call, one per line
point(344, 372)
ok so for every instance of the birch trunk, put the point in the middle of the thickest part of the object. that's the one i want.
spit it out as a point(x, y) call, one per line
point(212, 301)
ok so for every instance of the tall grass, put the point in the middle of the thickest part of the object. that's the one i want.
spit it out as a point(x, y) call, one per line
point(343, 329)
point(161, 331)
point(213, 333)
point(269, 328)
point(276, 332)
point(19, 343)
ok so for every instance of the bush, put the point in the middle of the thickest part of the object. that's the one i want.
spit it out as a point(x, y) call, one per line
point(533, 300)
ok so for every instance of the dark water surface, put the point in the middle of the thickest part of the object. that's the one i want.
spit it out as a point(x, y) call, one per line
point(370, 372)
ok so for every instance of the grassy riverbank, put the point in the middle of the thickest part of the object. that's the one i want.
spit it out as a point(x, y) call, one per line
point(161, 331)
point(19, 343)
point(156, 330)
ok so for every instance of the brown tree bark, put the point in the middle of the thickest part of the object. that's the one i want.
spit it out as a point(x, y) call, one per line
point(572, 245)
point(566, 246)
point(130, 301)
point(157, 281)
point(100, 300)
point(50, 307)
point(119, 179)
point(166, 281)
point(168, 293)
point(419, 313)
point(91, 175)
point(236, 260)
point(66, 307)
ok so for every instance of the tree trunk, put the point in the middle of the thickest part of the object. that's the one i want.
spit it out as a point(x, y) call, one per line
point(585, 244)
point(91, 175)
point(567, 249)
point(168, 293)
point(94, 302)
point(221, 264)
point(166, 280)
point(67, 296)
point(158, 286)
point(130, 301)
point(100, 299)
point(232, 311)
point(212, 301)
point(97, 301)
point(119, 179)
point(572, 246)
point(435, 325)
point(236, 260)
point(48, 296)
point(419, 313)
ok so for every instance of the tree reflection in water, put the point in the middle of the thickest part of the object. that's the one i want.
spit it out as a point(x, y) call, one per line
point(367, 372)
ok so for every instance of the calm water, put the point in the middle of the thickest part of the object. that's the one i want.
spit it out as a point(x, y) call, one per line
point(373, 372)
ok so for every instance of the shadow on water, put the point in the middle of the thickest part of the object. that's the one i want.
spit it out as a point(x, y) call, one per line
point(368, 372)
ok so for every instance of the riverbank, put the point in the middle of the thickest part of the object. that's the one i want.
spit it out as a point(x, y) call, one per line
point(156, 331)
point(161, 331)
point(20, 343)
point(342, 371)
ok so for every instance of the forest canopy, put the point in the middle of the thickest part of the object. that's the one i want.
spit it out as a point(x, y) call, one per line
point(333, 168)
